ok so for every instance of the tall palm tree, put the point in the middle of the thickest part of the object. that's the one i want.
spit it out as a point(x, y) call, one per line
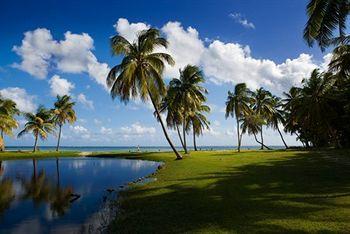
point(62, 113)
point(39, 124)
point(277, 117)
point(324, 17)
point(187, 94)
point(263, 107)
point(8, 110)
point(237, 105)
point(198, 121)
point(140, 72)
point(251, 124)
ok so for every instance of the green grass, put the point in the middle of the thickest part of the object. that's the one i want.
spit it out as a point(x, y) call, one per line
point(248, 192)
point(7, 155)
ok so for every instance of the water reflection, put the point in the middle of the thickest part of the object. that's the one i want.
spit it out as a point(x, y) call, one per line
point(56, 195)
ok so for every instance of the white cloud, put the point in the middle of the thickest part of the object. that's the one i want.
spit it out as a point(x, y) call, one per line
point(60, 86)
point(24, 101)
point(97, 121)
point(85, 102)
point(241, 20)
point(129, 30)
point(78, 129)
point(106, 131)
point(40, 53)
point(136, 129)
point(184, 46)
point(227, 62)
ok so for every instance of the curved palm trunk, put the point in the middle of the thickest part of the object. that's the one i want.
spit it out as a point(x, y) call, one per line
point(262, 138)
point(194, 139)
point(178, 132)
point(256, 139)
point(184, 137)
point(285, 144)
point(59, 137)
point(238, 137)
point(178, 155)
point(35, 143)
point(2, 141)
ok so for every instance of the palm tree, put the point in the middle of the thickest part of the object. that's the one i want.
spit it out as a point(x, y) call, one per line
point(251, 124)
point(199, 122)
point(187, 94)
point(62, 113)
point(325, 16)
point(39, 124)
point(8, 110)
point(140, 72)
point(173, 114)
point(263, 107)
point(237, 105)
point(277, 117)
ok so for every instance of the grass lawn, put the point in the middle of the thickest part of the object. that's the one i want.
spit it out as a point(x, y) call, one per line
point(248, 192)
point(8, 155)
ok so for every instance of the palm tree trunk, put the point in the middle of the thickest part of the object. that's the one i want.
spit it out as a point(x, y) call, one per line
point(2, 141)
point(59, 137)
point(194, 139)
point(256, 139)
point(278, 129)
point(36, 142)
point(240, 141)
point(178, 132)
point(184, 136)
point(238, 137)
point(178, 155)
point(262, 138)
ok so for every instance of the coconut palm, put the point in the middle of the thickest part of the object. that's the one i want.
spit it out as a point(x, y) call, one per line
point(324, 17)
point(277, 117)
point(237, 105)
point(140, 72)
point(187, 94)
point(198, 121)
point(251, 124)
point(263, 107)
point(63, 113)
point(8, 110)
point(39, 124)
point(173, 114)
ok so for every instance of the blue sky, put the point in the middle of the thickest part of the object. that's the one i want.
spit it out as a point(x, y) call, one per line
point(66, 50)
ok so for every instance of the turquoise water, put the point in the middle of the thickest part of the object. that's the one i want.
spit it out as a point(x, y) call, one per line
point(70, 195)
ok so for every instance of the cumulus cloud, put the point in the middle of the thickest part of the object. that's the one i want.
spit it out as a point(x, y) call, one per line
point(85, 102)
point(60, 86)
point(129, 30)
point(241, 20)
point(78, 129)
point(227, 62)
point(40, 53)
point(24, 101)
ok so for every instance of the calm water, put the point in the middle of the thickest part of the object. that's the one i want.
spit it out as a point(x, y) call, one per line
point(64, 196)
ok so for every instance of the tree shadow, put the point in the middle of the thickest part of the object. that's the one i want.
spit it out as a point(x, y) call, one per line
point(307, 192)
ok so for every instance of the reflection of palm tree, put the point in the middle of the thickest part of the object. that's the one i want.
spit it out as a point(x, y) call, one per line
point(60, 198)
point(37, 188)
point(7, 194)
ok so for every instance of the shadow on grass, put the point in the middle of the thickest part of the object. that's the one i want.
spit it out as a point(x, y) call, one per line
point(307, 192)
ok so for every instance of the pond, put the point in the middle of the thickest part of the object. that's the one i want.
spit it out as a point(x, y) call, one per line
point(68, 195)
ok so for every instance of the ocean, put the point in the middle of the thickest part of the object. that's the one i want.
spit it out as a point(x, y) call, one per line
point(129, 148)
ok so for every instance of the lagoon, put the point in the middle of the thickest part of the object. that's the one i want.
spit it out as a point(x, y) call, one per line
point(65, 195)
